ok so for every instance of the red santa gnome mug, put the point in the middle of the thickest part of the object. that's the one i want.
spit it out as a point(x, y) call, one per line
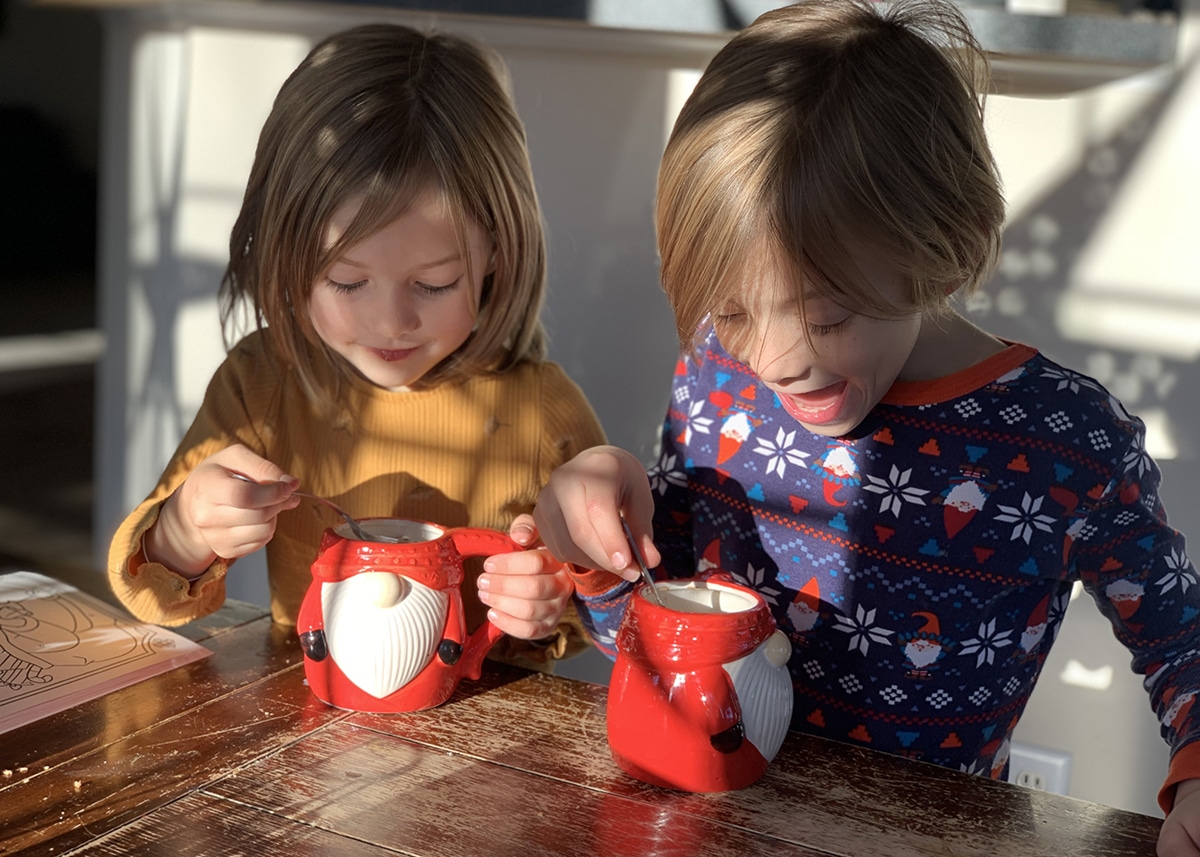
point(700, 697)
point(382, 624)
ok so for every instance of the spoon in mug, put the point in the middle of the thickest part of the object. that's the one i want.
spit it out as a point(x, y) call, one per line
point(646, 575)
point(355, 527)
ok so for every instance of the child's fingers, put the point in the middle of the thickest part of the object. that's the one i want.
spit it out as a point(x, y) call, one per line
point(235, 542)
point(523, 530)
point(595, 539)
point(273, 497)
point(522, 563)
point(525, 597)
point(522, 629)
point(527, 592)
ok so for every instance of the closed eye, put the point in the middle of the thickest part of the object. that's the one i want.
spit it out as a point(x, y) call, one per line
point(345, 288)
point(432, 290)
point(826, 329)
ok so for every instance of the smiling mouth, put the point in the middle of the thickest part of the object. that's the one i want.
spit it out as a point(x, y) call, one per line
point(818, 407)
point(391, 355)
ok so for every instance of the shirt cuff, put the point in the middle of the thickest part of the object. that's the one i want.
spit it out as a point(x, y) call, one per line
point(1185, 765)
point(156, 594)
point(591, 581)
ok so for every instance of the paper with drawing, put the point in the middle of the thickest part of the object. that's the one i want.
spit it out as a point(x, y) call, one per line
point(60, 647)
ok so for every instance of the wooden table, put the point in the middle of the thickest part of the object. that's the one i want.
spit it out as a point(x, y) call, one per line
point(233, 755)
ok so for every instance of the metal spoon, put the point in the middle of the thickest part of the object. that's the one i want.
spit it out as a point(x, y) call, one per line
point(646, 575)
point(355, 527)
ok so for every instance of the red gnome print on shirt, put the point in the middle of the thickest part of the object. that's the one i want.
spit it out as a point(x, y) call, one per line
point(838, 468)
point(805, 610)
point(1035, 628)
point(924, 647)
point(710, 560)
point(734, 431)
point(962, 503)
point(1125, 596)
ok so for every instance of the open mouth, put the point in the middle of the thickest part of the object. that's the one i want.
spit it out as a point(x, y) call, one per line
point(819, 407)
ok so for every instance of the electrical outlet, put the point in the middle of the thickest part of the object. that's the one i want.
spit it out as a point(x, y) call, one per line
point(1039, 768)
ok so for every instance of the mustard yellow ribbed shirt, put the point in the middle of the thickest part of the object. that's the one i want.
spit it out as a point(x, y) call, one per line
point(471, 453)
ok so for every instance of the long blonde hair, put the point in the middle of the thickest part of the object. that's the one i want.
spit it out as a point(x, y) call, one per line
point(828, 125)
point(379, 114)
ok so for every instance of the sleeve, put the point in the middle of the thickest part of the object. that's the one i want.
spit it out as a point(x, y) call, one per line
point(150, 590)
point(1136, 568)
point(569, 426)
point(602, 605)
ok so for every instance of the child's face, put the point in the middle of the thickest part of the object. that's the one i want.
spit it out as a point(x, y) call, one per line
point(831, 385)
point(400, 301)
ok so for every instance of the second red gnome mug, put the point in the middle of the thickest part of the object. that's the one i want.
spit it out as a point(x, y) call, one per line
point(700, 697)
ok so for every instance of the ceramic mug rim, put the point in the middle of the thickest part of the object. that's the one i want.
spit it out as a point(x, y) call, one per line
point(409, 530)
point(747, 599)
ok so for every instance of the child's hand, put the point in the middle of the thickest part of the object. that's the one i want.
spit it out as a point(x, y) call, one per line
point(1180, 833)
point(579, 511)
point(215, 514)
point(527, 591)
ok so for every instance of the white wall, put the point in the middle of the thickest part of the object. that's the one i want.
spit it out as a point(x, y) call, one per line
point(1099, 269)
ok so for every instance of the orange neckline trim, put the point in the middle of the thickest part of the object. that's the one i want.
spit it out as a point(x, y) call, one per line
point(960, 383)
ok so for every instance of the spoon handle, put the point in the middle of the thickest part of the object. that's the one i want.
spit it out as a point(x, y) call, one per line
point(647, 577)
point(355, 527)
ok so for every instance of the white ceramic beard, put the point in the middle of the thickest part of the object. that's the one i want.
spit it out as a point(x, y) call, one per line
point(764, 692)
point(382, 629)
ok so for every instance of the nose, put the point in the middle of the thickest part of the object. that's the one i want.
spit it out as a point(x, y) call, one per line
point(778, 353)
point(397, 313)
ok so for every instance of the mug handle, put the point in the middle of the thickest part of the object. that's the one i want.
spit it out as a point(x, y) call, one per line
point(476, 541)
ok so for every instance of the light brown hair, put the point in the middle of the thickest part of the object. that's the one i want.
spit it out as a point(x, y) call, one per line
point(826, 126)
point(380, 113)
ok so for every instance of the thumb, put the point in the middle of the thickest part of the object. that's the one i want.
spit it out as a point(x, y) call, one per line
point(254, 467)
point(523, 530)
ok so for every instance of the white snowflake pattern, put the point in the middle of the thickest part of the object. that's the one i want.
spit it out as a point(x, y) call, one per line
point(987, 644)
point(695, 422)
point(1068, 380)
point(1136, 459)
point(862, 630)
point(1026, 518)
point(780, 452)
point(664, 474)
point(895, 490)
point(756, 579)
point(1180, 573)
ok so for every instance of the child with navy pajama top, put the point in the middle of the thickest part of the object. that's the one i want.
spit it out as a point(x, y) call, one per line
point(914, 497)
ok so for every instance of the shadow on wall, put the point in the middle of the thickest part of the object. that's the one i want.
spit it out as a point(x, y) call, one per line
point(1137, 340)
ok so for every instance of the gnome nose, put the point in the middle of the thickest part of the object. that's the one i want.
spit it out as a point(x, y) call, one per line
point(777, 649)
point(381, 588)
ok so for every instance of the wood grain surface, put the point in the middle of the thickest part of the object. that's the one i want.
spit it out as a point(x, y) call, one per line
point(233, 755)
